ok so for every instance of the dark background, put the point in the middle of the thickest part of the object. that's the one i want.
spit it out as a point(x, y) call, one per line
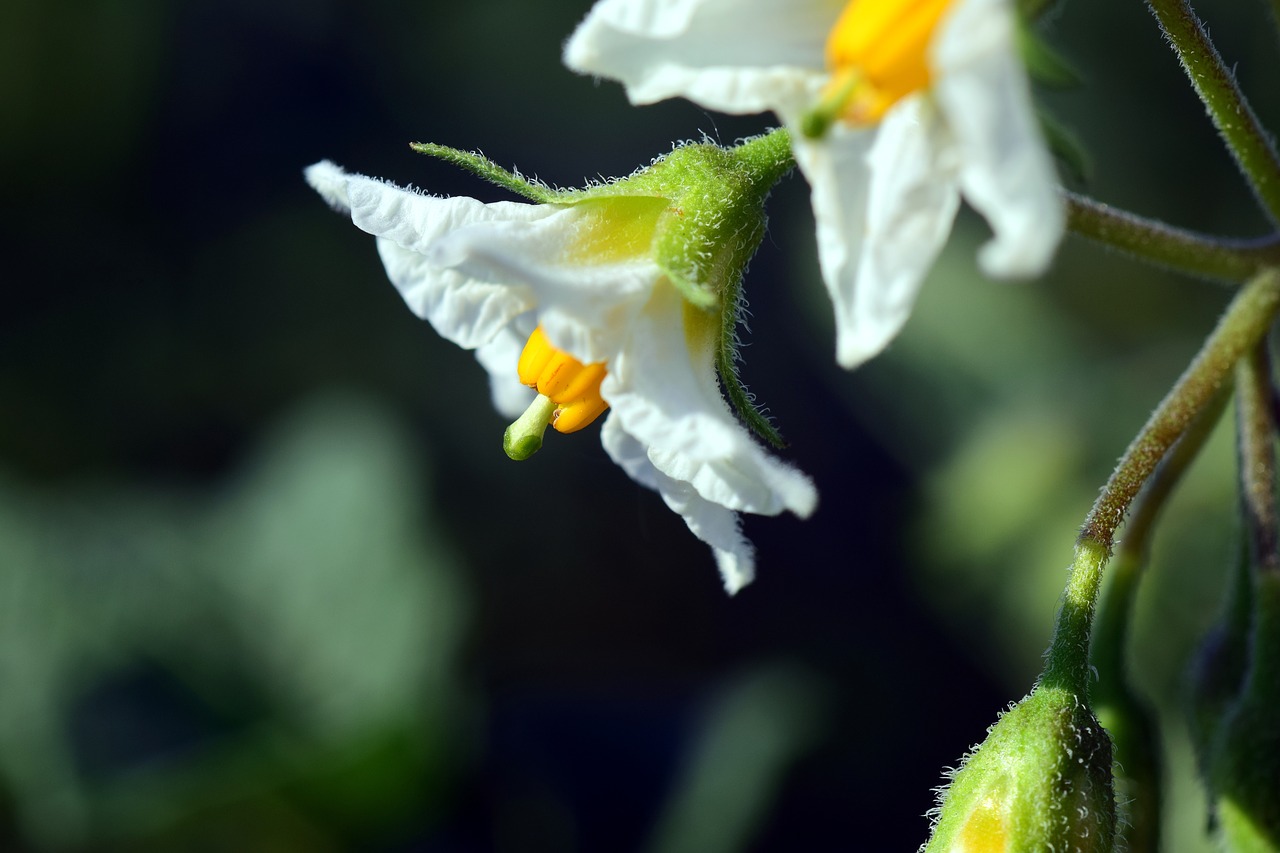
point(267, 581)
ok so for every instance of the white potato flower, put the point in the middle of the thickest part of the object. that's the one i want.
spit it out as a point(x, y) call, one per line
point(591, 301)
point(896, 109)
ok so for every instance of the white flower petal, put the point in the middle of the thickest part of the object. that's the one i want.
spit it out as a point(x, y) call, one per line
point(1006, 174)
point(500, 357)
point(468, 312)
point(584, 308)
point(717, 526)
point(464, 310)
point(735, 56)
point(663, 392)
point(884, 201)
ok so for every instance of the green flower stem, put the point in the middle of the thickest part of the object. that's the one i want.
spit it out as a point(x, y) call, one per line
point(1257, 431)
point(1174, 248)
point(1244, 756)
point(1249, 143)
point(1241, 327)
point(1136, 541)
point(1120, 710)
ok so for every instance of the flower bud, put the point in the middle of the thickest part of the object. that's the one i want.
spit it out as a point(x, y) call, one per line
point(1040, 781)
point(1245, 776)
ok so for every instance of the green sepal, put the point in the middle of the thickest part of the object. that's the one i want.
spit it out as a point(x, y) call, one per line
point(1040, 781)
point(1045, 64)
point(742, 400)
point(1066, 147)
point(481, 166)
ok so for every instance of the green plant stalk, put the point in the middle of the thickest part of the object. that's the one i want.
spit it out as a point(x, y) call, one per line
point(1257, 431)
point(1245, 753)
point(1241, 327)
point(1120, 710)
point(1249, 143)
point(1188, 252)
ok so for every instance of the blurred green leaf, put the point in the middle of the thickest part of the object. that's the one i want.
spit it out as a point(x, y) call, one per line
point(310, 613)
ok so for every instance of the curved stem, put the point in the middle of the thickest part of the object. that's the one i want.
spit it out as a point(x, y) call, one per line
point(1246, 319)
point(1242, 326)
point(1257, 435)
point(1214, 82)
point(1164, 245)
point(1120, 709)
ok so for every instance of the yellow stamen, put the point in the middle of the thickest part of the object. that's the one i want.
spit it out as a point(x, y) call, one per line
point(877, 53)
point(572, 386)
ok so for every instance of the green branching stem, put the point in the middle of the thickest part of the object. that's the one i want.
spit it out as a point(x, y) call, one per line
point(1123, 712)
point(1251, 146)
point(1241, 327)
point(1185, 251)
point(1243, 324)
point(1257, 433)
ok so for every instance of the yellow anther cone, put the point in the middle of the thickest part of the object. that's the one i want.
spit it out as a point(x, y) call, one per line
point(878, 53)
point(568, 395)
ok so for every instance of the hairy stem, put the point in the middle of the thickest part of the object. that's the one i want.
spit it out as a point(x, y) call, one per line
point(1250, 145)
point(1124, 714)
point(1241, 327)
point(1174, 248)
point(1257, 434)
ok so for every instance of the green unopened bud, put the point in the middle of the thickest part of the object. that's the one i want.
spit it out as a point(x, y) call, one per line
point(1218, 668)
point(1040, 781)
point(1245, 776)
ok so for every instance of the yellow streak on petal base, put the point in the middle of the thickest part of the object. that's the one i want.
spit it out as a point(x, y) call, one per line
point(572, 386)
point(615, 229)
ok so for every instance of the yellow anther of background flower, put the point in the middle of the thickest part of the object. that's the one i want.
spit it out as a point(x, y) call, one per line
point(572, 386)
point(877, 54)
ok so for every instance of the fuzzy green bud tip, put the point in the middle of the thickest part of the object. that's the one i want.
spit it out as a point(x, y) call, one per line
point(1041, 781)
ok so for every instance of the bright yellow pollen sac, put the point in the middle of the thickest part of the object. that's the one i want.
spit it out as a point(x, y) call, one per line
point(878, 54)
point(574, 387)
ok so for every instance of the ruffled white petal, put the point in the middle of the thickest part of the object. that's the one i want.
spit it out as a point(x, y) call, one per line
point(485, 275)
point(883, 201)
point(1006, 173)
point(500, 357)
point(584, 308)
point(464, 310)
point(713, 524)
point(735, 56)
point(663, 392)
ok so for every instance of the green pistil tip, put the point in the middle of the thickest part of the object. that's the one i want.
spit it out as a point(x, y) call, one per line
point(524, 437)
point(816, 123)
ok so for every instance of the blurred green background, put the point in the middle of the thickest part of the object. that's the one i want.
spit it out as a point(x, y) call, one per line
point(267, 581)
